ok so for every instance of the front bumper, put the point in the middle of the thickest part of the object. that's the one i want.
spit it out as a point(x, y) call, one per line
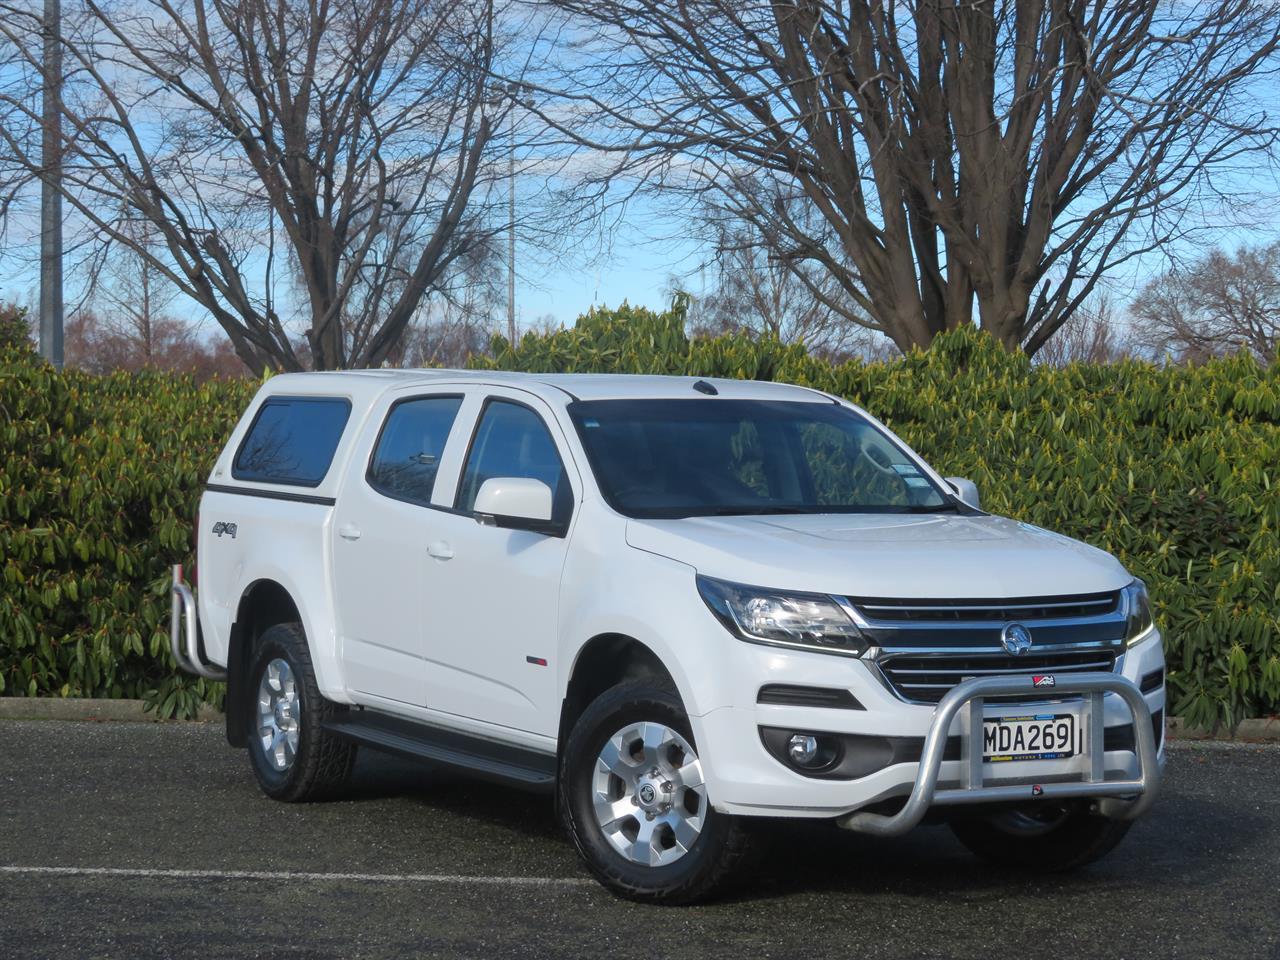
point(745, 779)
point(1125, 798)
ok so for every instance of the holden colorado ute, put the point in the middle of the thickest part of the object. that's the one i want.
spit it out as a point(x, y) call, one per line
point(677, 604)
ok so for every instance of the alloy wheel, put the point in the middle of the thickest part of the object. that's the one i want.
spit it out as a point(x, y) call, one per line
point(279, 714)
point(648, 794)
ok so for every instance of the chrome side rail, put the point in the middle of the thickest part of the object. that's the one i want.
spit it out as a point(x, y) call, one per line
point(971, 694)
point(184, 624)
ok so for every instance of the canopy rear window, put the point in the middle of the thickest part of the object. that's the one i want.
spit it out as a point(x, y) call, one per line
point(292, 441)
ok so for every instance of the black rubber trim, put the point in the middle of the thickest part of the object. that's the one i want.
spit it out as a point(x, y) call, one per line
point(858, 755)
point(486, 759)
point(1122, 738)
point(1152, 681)
point(270, 494)
point(802, 695)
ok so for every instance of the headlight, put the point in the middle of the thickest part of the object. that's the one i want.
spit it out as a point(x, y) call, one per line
point(810, 620)
point(1137, 606)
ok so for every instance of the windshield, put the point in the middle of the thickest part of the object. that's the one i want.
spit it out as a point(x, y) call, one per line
point(705, 457)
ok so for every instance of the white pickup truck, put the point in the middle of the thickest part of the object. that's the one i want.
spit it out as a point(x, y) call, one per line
point(675, 603)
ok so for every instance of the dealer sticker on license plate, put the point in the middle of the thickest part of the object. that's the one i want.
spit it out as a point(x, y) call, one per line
point(1044, 736)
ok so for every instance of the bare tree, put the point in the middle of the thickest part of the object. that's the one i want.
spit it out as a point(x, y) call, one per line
point(963, 154)
point(346, 142)
point(97, 343)
point(131, 294)
point(754, 291)
point(460, 322)
point(1092, 334)
point(1220, 304)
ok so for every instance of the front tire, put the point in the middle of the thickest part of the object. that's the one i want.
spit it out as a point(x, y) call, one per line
point(633, 799)
point(294, 759)
point(1042, 837)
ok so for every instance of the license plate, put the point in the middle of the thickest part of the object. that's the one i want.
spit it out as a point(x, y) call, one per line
point(1044, 736)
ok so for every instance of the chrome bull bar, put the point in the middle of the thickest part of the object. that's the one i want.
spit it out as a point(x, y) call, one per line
point(184, 625)
point(971, 694)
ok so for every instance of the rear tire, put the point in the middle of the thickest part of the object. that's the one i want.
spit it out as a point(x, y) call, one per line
point(294, 759)
point(632, 797)
point(1042, 837)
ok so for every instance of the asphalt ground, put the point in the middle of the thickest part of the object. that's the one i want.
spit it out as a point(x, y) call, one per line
point(151, 840)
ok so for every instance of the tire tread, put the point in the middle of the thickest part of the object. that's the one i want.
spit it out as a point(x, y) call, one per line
point(323, 764)
point(719, 871)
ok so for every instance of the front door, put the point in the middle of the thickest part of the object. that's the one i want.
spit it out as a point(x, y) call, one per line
point(382, 526)
point(493, 594)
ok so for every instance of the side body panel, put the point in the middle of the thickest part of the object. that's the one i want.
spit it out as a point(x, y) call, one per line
point(276, 540)
point(491, 599)
point(381, 562)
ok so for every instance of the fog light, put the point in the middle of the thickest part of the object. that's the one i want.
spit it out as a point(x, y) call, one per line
point(802, 748)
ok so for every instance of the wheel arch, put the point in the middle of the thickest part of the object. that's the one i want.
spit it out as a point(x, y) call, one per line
point(263, 604)
point(604, 661)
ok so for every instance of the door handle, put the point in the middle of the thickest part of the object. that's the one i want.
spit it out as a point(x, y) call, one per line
point(440, 550)
point(349, 531)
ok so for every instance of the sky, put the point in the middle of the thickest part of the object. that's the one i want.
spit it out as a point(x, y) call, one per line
point(643, 256)
point(637, 268)
point(634, 270)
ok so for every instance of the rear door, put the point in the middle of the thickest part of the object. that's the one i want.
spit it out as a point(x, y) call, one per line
point(383, 525)
point(492, 595)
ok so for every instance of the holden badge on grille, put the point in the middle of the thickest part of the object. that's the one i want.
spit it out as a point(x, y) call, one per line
point(1016, 639)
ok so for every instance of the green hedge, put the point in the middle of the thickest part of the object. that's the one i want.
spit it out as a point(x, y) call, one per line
point(1173, 469)
point(99, 484)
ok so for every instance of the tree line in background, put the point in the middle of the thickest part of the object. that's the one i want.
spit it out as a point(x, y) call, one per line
point(1219, 305)
point(331, 185)
point(1170, 468)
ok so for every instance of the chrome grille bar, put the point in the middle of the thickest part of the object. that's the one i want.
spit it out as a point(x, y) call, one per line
point(1102, 664)
point(925, 677)
point(888, 613)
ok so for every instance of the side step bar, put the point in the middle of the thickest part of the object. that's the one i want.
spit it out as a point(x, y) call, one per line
point(1138, 794)
point(486, 759)
point(185, 623)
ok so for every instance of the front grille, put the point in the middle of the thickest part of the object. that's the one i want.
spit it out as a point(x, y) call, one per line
point(988, 611)
point(917, 626)
point(925, 678)
point(929, 646)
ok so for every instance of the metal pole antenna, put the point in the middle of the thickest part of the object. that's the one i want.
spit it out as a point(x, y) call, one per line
point(511, 226)
point(50, 196)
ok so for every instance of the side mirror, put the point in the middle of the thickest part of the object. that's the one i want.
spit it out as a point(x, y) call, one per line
point(966, 490)
point(516, 503)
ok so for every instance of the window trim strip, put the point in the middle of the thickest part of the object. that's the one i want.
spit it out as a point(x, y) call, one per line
point(270, 494)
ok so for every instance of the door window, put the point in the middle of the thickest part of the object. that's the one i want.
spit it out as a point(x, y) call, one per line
point(407, 456)
point(513, 441)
